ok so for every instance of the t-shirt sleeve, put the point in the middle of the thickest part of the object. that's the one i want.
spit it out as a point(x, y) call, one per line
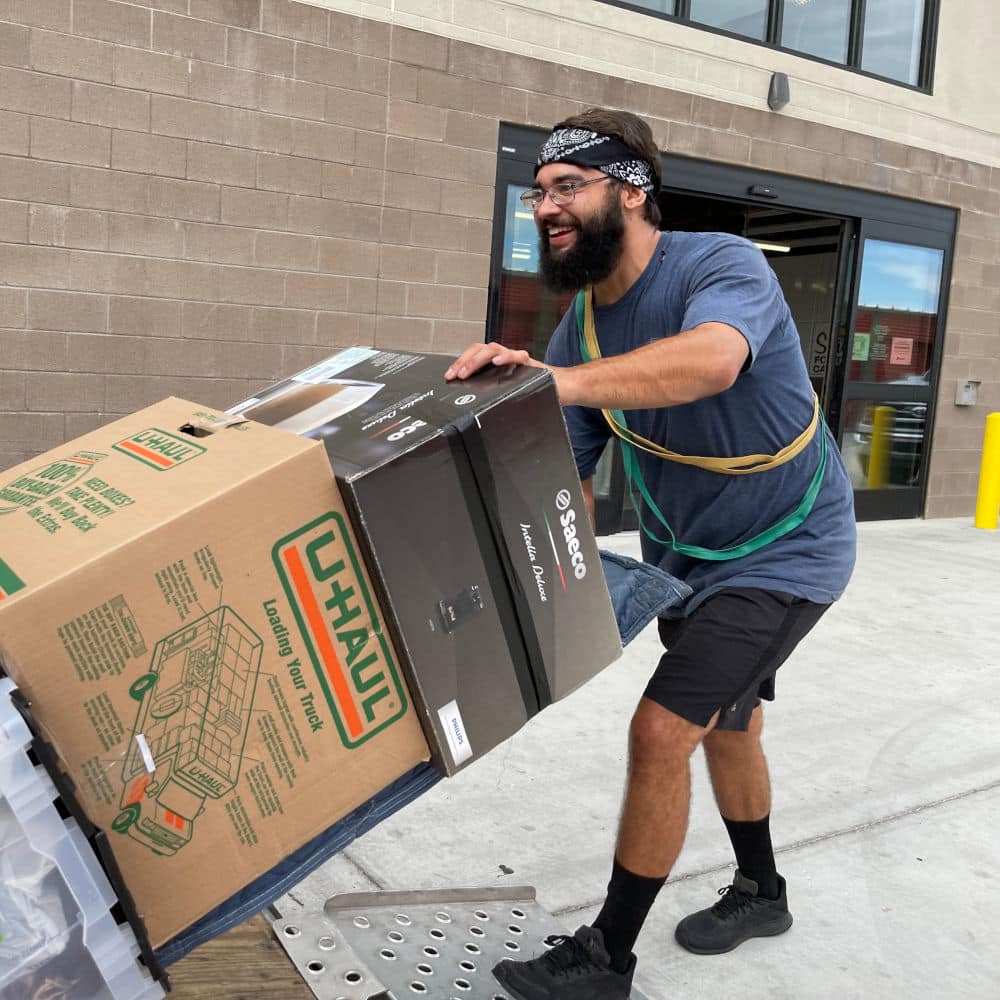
point(732, 283)
point(587, 428)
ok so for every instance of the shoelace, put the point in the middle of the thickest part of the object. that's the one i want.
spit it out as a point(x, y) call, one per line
point(732, 902)
point(567, 953)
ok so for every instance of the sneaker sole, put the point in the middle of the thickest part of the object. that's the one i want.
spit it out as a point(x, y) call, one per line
point(512, 991)
point(763, 932)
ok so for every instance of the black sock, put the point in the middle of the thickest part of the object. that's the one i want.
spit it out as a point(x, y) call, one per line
point(754, 854)
point(624, 912)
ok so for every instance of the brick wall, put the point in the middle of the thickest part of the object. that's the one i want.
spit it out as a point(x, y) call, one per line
point(197, 196)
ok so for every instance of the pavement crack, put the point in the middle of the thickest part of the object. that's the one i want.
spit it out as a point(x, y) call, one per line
point(810, 841)
point(365, 872)
point(886, 820)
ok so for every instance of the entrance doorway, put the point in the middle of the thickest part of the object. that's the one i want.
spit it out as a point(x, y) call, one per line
point(803, 251)
point(865, 277)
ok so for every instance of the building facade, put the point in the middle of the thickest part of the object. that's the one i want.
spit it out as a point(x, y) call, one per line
point(199, 196)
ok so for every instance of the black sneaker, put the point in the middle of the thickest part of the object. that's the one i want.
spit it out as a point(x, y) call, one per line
point(577, 968)
point(739, 915)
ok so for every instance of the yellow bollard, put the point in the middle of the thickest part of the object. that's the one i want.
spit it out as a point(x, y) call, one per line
point(881, 447)
point(988, 499)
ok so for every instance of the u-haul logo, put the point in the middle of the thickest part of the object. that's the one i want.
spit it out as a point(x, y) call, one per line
point(322, 577)
point(158, 449)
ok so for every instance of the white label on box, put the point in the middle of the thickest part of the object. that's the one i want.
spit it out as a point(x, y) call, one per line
point(454, 728)
point(334, 366)
point(147, 757)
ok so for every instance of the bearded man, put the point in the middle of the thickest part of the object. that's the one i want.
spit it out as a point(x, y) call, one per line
point(682, 346)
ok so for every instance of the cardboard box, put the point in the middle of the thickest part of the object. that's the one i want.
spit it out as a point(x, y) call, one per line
point(466, 500)
point(184, 604)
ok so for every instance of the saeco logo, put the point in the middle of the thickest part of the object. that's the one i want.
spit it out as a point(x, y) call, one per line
point(322, 578)
point(568, 521)
point(158, 449)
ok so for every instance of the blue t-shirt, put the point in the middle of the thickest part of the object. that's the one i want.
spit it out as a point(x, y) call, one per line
point(697, 278)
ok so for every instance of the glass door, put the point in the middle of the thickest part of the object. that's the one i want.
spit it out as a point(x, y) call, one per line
point(887, 402)
point(527, 312)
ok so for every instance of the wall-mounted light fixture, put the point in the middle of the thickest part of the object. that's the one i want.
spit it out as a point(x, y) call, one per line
point(777, 93)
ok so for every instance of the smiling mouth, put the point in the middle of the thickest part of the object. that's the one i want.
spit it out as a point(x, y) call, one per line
point(558, 235)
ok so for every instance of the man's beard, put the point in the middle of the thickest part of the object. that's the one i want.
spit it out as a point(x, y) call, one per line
point(592, 257)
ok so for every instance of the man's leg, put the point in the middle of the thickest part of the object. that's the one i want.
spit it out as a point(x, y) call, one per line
point(755, 904)
point(655, 814)
point(597, 962)
point(653, 823)
point(738, 769)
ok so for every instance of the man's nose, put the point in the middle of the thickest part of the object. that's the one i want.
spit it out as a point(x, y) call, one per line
point(546, 209)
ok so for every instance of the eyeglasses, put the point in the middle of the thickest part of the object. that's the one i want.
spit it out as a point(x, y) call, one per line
point(560, 194)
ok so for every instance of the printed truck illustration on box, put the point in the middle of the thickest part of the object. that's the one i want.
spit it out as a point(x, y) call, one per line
point(194, 711)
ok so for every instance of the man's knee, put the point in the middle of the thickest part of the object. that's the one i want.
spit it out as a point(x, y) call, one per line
point(658, 736)
point(722, 743)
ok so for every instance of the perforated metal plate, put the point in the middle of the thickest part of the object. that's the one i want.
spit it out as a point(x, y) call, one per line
point(439, 945)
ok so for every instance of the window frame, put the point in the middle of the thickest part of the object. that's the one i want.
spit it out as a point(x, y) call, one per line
point(775, 8)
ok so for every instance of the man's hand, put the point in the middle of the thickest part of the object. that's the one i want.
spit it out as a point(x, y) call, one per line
point(478, 356)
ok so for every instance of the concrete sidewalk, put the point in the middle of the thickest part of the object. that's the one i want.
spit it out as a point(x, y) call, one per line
point(885, 756)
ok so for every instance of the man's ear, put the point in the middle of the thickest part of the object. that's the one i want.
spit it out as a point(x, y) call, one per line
point(632, 197)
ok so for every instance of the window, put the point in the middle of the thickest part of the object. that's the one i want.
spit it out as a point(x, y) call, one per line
point(897, 315)
point(891, 39)
point(891, 47)
point(817, 28)
point(660, 6)
point(742, 17)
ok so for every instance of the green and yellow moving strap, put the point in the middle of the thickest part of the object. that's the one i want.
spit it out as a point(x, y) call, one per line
point(738, 466)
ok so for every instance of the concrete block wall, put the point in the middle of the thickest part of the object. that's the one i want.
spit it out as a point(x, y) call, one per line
point(197, 196)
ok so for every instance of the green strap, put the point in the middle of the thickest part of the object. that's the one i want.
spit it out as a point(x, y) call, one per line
point(636, 481)
point(788, 523)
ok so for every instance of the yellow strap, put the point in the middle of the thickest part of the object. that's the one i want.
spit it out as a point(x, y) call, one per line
point(744, 465)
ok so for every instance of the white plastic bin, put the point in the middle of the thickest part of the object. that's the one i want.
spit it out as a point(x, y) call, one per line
point(58, 937)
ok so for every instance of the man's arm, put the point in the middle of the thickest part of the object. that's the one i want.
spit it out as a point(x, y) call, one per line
point(696, 363)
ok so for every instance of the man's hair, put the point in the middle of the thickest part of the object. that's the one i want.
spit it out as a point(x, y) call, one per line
point(634, 133)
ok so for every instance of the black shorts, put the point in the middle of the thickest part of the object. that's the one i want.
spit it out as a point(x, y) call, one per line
point(723, 657)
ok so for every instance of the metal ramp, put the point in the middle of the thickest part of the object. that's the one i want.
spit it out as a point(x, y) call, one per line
point(436, 944)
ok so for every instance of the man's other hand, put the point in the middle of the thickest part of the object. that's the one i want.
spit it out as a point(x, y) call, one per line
point(478, 356)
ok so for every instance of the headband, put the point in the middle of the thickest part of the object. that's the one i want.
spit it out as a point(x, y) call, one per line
point(604, 152)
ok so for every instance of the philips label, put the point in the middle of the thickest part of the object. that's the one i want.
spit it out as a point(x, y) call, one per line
point(454, 728)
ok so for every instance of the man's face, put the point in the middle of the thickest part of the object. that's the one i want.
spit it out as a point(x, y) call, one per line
point(579, 243)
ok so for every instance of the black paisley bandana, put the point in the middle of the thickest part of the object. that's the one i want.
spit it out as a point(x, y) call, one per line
point(592, 149)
